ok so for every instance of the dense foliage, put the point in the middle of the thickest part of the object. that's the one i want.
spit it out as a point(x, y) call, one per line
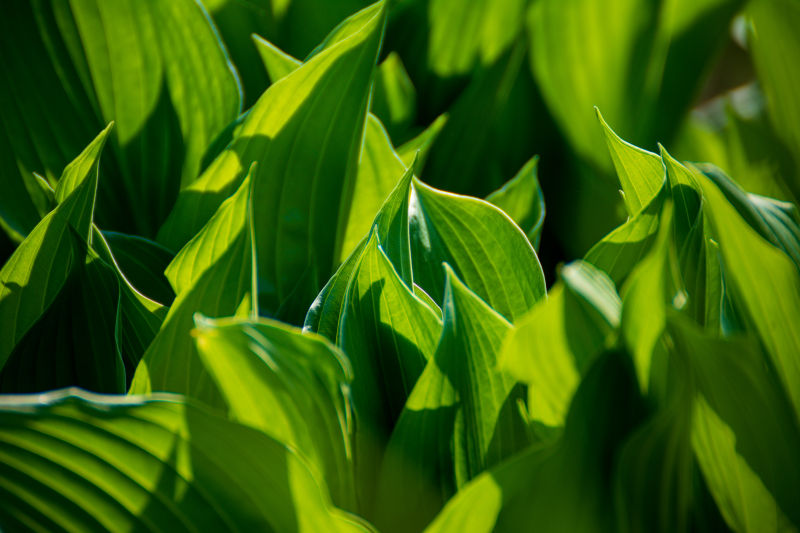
point(250, 292)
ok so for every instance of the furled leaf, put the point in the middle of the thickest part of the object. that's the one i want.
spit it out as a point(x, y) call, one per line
point(745, 432)
point(35, 273)
point(522, 199)
point(564, 486)
point(641, 173)
point(155, 68)
point(305, 132)
point(212, 275)
point(394, 99)
point(554, 344)
point(378, 166)
point(774, 41)
point(74, 342)
point(143, 262)
point(772, 306)
point(75, 460)
point(460, 419)
point(484, 247)
point(288, 384)
point(389, 335)
point(391, 225)
point(420, 146)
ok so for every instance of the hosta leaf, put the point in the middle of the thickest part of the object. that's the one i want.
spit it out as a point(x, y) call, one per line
point(236, 21)
point(522, 199)
point(641, 70)
point(462, 35)
point(391, 225)
point(74, 342)
point(139, 318)
point(778, 222)
point(745, 433)
point(641, 173)
point(35, 273)
point(654, 467)
point(772, 306)
point(471, 153)
point(288, 384)
point(460, 419)
point(619, 251)
point(555, 343)
point(156, 68)
point(773, 41)
point(420, 146)
point(212, 275)
point(389, 335)
point(648, 291)
point(75, 460)
point(483, 246)
point(378, 165)
point(303, 200)
point(564, 486)
point(143, 262)
point(394, 99)
point(378, 171)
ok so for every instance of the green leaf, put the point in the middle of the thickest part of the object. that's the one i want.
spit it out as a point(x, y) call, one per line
point(556, 342)
point(564, 486)
point(481, 243)
point(39, 267)
point(476, 150)
point(389, 335)
point(773, 40)
point(420, 146)
point(745, 433)
point(143, 262)
point(778, 222)
point(212, 275)
point(641, 173)
point(772, 306)
point(522, 199)
point(378, 165)
point(394, 98)
point(74, 342)
point(391, 224)
point(640, 62)
point(303, 199)
point(460, 419)
point(378, 170)
point(461, 35)
point(155, 68)
point(75, 460)
point(650, 288)
point(288, 384)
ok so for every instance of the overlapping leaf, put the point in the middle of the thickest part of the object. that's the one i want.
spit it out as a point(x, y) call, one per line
point(156, 68)
point(305, 132)
point(109, 463)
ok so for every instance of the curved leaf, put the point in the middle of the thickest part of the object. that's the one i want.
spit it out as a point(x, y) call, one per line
point(555, 343)
point(154, 67)
point(288, 384)
point(522, 199)
point(75, 460)
point(460, 419)
point(481, 243)
point(303, 199)
point(35, 273)
point(214, 276)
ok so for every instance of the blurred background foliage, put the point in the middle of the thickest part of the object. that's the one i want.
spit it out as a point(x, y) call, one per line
point(517, 78)
point(500, 81)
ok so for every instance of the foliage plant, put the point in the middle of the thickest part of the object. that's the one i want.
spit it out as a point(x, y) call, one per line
point(243, 291)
